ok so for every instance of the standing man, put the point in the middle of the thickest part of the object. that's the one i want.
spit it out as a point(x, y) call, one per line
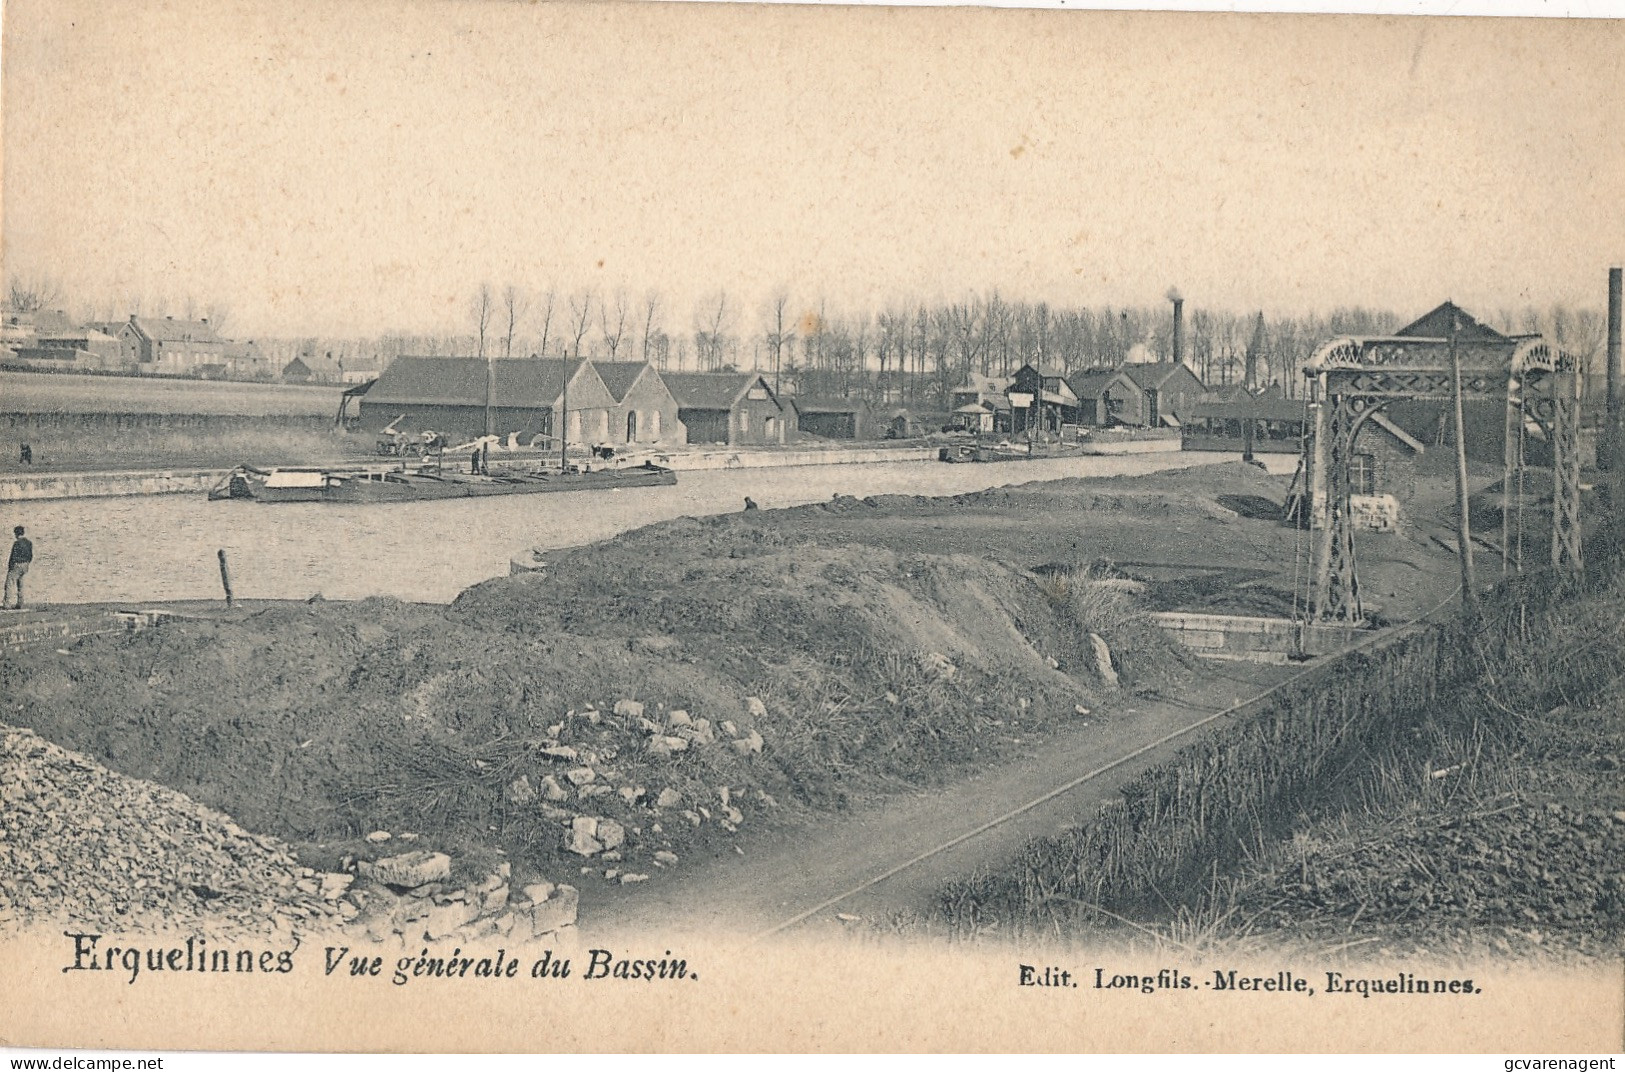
point(22, 554)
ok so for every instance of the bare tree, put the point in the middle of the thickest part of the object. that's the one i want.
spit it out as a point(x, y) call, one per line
point(30, 294)
point(651, 314)
point(612, 321)
point(709, 317)
point(777, 337)
point(963, 320)
point(480, 307)
point(893, 343)
point(218, 314)
point(548, 301)
point(580, 319)
point(513, 305)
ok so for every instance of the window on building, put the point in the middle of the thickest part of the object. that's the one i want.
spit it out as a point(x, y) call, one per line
point(1363, 474)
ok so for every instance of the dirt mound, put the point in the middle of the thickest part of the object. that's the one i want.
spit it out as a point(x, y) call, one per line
point(672, 685)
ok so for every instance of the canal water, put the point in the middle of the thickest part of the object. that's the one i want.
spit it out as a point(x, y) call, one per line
point(164, 546)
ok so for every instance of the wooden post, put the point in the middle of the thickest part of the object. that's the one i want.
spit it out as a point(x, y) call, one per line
point(564, 415)
point(1464, 536)
point(1611, 451)
point(225, 576)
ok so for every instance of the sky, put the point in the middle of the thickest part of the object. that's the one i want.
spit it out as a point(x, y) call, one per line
point(350, 168)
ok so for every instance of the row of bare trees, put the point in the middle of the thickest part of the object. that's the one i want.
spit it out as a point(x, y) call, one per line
point(915, 355)
point(910, 354)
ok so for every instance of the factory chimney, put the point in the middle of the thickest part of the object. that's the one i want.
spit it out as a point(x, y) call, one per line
point(1613, 449)
point(1179, 323)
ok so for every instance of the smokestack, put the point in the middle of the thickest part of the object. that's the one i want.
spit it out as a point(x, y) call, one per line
point(1613, 342)
point(1179, 323)
point(1611, 448)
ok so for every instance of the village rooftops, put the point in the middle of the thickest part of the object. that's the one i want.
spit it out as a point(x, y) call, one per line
point(460, 381)
point(708, 390)
point(1089, 383)
point(619, 376)
point(1152, 376)
point(166, 329)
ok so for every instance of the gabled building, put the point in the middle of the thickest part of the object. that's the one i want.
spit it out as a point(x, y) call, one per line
point(731, 408)
point(246, 361)
point(1051, 400)
point(992, 414)
point(1484, 419)
point(450, 395)
point(1152, 395)
point(980, 404)
point(1089, 388)
point(167, 346)
point(645, 409)
point(1440, 322)
point(833, 418)
point(85, 349)
point(978, 389)
point(296, 371)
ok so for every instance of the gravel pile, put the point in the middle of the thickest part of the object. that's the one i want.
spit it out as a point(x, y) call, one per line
point(1551, 865)
point(84, 846)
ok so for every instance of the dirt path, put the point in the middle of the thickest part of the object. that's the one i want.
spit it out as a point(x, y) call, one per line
point(780, 877)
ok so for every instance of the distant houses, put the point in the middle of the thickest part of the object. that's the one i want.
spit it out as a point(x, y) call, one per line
point(981, 404)
point(1147, 395)
point(1045, 399)
point(50, 340)
point(168, 346)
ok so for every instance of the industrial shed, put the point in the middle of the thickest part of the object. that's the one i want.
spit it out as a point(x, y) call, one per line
point(1152, 395)
point(834, 418)
point(730, 408)
point(450, 395)
point(645, 409)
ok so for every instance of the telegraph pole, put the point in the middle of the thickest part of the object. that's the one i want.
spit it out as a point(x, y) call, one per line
point(1464, 536)
point(564, 417)
point(1611, 451)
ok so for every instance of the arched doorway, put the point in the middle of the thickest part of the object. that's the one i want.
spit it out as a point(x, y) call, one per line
point(632, 426)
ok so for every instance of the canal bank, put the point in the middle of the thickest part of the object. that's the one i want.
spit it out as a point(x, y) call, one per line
point(36, 486)
point(164, 547)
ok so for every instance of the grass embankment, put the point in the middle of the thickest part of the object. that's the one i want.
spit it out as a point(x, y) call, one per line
point(95, 442)
point(1456, 792)
point(76, 422)
point(871, 669)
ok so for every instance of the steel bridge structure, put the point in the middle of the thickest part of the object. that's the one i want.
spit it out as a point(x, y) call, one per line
point(1353, 378)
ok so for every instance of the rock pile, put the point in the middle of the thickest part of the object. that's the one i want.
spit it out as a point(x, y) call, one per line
point(411, 898)
point(80, 844)
point(83, 846)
